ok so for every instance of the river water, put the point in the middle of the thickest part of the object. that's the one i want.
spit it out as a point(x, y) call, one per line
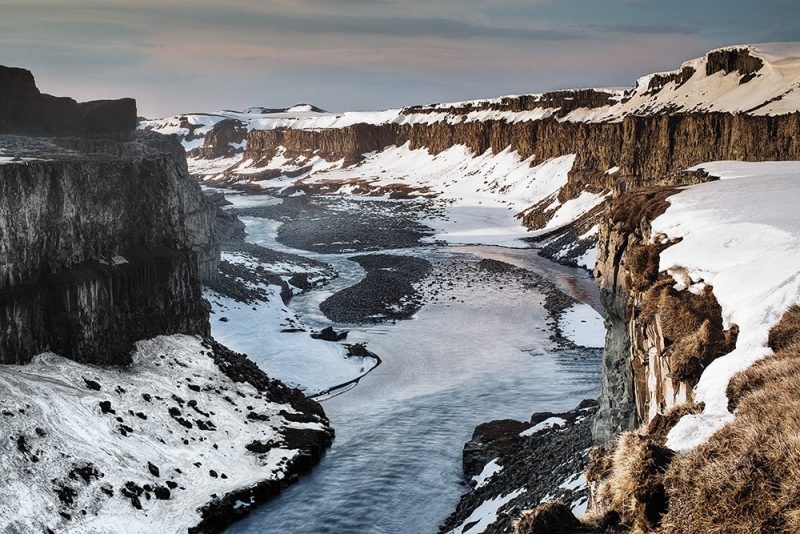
point(481, 353)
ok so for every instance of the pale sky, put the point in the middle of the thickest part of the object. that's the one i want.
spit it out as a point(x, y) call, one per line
point(206, 55)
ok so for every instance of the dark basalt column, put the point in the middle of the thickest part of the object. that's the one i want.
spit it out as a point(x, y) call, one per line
point(94, 312)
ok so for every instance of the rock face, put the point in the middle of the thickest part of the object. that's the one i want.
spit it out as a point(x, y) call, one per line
point(645, 148)
point(24, 110)
point(658, 339)
point(103, 243)
point(221, 140)
point(534, 460)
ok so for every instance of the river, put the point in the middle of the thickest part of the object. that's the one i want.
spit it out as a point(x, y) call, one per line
point(481, 353)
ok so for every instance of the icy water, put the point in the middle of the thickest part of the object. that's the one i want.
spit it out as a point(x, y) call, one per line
point(395, 466)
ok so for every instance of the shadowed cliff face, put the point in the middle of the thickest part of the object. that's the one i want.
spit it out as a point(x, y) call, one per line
point(24, 110)
point(103, 243)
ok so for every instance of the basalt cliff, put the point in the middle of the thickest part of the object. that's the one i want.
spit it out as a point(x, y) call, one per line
point(104, 243)
point(118, 411)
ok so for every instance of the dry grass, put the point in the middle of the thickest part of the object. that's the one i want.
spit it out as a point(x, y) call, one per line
point(634, 486)
point(691, 325)
point(786, 331)
point(641, 261)
point(549, 518)
point(633, 209)
point(746, 478)
point(628, 479)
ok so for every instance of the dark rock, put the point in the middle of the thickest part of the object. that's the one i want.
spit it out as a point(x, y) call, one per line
point(537, 464)
point(26, 111)
point(386, 293)
point(133, 249)
point(329, 334)
point(219, 140)
point(91, 384)
point(161, 493)
point(105, 407)
point(153, 469)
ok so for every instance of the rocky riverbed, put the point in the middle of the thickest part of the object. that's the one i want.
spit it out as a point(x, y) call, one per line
point(485, 332)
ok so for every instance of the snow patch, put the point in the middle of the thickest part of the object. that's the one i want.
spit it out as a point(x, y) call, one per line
point(739, 235)
point(582, 325)
point(489, 470)
point(550, 422)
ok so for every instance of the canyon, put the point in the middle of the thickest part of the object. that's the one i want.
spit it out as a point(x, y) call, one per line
point(351, 256)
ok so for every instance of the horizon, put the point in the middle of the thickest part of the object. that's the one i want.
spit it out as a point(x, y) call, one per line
point(346, 55)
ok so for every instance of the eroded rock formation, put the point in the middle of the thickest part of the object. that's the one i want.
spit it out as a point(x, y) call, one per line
point(25, 110)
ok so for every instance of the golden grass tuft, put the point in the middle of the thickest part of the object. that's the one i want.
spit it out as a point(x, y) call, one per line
point(746, 478)
point(787, 330)
point(691, 325)
point(642, 262)
point(635, 208)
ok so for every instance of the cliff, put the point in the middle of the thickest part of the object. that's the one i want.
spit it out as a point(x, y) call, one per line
point(25, 110)
point(103, 243)
point(105, 240)
point(643, 148)
point(659, 339)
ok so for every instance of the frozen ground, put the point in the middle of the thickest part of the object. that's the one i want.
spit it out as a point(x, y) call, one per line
point(731, 231)
point(78, 441)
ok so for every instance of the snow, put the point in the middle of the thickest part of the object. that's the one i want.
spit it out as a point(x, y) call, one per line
point(489, 470)
point(583, 326)
point(311, 364)
point(550, 422)
point(50, 394)
point(485, 514)
point(739, 235)
point(589, 258)
point(575, 482)
point(12, 160)
point(483, 193)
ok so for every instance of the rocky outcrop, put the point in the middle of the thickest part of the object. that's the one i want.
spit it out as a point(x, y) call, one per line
point(658, 339)
point(733, 60)
point(103, 243)
point(223, 140)
point(534, 460)
point(563, 101)
point(25, 110)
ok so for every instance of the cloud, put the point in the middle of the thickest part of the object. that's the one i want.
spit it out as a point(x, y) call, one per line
point(205, 54)
point(675, 29)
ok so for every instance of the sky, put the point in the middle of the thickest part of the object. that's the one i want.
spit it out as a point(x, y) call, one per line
point(206, 55)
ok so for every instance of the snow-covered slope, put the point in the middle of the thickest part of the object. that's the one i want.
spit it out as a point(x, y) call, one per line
point(739, 235)
point(89, 449)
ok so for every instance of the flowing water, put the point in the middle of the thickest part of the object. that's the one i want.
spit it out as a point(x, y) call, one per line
point(395, 466)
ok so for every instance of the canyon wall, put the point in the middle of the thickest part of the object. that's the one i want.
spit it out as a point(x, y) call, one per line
point(644, 148)
point(104, 236)
point(100, 247)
